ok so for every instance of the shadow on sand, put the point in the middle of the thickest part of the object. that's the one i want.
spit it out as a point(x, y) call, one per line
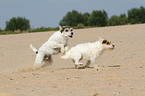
point(82, 67)
point(115, 66)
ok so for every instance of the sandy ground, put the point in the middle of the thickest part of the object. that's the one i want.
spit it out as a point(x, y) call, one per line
point(122, 71)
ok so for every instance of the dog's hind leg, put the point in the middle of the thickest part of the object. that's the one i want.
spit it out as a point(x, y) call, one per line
point(38, 60)
point(87, 64)
point(47, 60)
point(76, 59)
point(50, 59)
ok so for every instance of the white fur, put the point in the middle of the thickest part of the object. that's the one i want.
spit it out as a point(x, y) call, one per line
point(56, 43)
point(88, 51)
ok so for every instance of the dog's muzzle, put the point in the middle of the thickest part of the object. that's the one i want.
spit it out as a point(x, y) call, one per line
point(71, 35)
point(113, 46)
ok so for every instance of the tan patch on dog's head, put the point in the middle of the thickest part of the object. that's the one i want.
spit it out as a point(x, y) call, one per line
point(106, 43)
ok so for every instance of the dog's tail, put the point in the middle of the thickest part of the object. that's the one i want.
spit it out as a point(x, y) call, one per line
point(33, 48)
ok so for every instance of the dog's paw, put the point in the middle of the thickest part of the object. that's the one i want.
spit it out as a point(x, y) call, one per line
point(66, 49)
point(87, 66)
point(80, 64)
point(62, 51)
point(96, 67)
point(76, 66)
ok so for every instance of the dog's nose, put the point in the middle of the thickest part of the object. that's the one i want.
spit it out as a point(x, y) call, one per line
point(72, 33)
point(113, 46)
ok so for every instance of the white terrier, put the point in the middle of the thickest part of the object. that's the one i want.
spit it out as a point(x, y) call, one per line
point(88, 51)
point(56, 43)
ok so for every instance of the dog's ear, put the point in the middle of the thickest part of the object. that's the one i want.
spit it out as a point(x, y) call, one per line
point(60, 28)
point(100, 39)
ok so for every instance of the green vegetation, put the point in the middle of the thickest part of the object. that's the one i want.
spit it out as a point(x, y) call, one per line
point(136, 15)
point(79, 20)
point(43, 29)
point(0, 30)
point(98, 18)
point(118, 20)
point(74, 18)
point(17, 24)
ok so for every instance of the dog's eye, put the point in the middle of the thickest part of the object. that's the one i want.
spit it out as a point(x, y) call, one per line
point(66, 30)
point(104, 41)
point(108, 43)
point(71, 30)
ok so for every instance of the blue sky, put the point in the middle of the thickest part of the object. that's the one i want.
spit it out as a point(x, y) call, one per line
point(48, 13)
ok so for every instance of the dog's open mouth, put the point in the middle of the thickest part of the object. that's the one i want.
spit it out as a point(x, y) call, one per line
point(71, 36)
point(113, 46)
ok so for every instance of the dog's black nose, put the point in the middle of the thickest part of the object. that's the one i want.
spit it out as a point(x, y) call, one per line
point(72, 33)
point(113, 46)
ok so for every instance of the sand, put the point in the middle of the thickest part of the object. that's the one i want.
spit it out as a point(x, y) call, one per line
point(121, 73)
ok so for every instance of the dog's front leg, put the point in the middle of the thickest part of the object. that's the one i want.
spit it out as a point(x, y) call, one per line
point(65, 49)
point(61, 46)
point(93, 61)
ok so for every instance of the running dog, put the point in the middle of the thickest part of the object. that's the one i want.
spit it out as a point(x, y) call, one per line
point(57, 43)
point(88, 51)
